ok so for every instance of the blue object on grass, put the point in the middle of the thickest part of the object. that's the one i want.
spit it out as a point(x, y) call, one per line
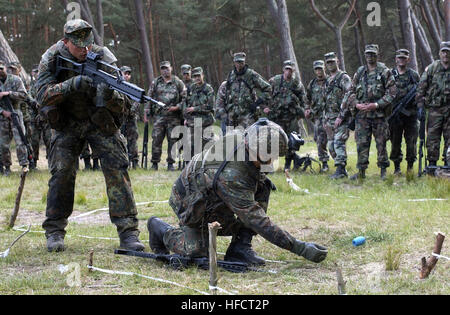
point(359, 241)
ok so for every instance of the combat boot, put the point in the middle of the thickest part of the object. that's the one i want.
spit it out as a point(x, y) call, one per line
point(7, 171)
point(241, 250)
point(341, 172)
point(1, 169)
point(95, 165)
point(360, 175)
point(398, 171)
point(135, 165)
point(170, 168)
point(410, 167)
point(155, 166)
point(129, 240)
point(55, 242)
point(325, 167)
point(87, 164)
point(432, 163)
point(156, 230)
point(287, 165)
point(383, 174)
point(33, 166)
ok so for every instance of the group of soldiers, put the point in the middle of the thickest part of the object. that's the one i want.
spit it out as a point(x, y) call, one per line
point(234, 192)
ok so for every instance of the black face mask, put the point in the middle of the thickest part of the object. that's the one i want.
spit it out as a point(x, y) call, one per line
point(241, 72)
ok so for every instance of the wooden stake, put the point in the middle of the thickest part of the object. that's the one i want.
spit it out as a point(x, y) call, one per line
point(213, 228)
point(91, 259)
point(429, 264)
point(341, 282)
point(23, 176)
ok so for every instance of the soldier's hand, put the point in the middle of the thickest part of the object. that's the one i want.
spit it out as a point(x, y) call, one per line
point(6, 114)
point(338, 123)
point(371, 107)
point(266, 110)
point(189, 110)
point(79, 83)
point(307, 113)
point(4, 94)
point(105, 90)
point(361, 107)
point(173, 109)
point(310, 251)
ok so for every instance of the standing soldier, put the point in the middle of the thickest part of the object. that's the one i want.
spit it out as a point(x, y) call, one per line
point(69, 102)
point(186, 72)
point(130, 125)
point(373, 91)
point(405, 122)
point(219, 186)
point(315, 110)
point(242, 102)
point(338, 85)
point(288, 103)
point(220, 109)
point(434, 95)
point(170, 90)
point(199, 109)
point(11, 86)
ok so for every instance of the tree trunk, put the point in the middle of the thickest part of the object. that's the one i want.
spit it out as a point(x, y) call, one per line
point(447, 19)
point(100, 23)
point(431, 23)
point(146, 55)
point(404, 10)
point(7, 55)
point(422, 41)
point(437, 16)
point(152, 35)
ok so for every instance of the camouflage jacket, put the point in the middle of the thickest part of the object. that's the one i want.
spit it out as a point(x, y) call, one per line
point(172, 93)
point(336, 89)
point(220, 110)
point(378, 86)
point(80, 106)
point(243, 90)
point(288, 99)
point(316, 98)
point(434, 86)
point(198, 201)
point(18, 94)
point(202, 99)
point(405, 82)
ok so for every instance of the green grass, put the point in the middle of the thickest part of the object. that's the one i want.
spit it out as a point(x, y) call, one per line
point(398, 232)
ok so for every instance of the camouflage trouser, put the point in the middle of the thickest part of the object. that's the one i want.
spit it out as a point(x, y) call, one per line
point(337, 139)
point(407, 127)
point(321, 139)
point(243, 121)
point(438, 126)
point(132, 136)
point(7, 132)
point(38, 129)
point(66, 147)
point(365, 128)
point(193, 242)
point(162, 128)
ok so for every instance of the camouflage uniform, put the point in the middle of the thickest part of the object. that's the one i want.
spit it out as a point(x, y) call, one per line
point(377, 86)
point(172, 93)
point(245, 92)
point(202, 99)
point(406, 123)
point(7, 129)
point(316, 104)
point(220, 107)
point(288, 104)
point(71, 110)
point(240, 200)
point(336, 88)
point(433, 94)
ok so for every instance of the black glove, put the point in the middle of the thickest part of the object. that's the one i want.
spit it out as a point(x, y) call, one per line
point(310, 251)
point(268, 183)
point(80, 82)
point(254, 107)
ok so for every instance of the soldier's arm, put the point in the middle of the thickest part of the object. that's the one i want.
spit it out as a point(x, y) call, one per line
point(422, 89)
point(220, 102)
point(18, 92)
point(183, 94)
point(391, 91)
point(238, 194)
point(346, 86)
point(207, 107)
point(264, 87)
point(151, 93)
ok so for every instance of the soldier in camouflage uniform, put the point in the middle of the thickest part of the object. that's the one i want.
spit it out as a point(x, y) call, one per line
point(433, 95)
point(373, 91)
point(405, 123)
point(337, 86)
point(198, 113)
point(315, 108)
point(130, 125)
point(11, 86)
point(186, 73)
point(288, 103)
point(69, 101)
point(246, 92)
point(220, 110)
point(219, 186)
point(39, 127)
point(170, 90)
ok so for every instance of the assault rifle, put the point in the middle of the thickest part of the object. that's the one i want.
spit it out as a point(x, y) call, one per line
point(431, 170)
point(403, 104)
point(180, 262)
point(144, 162)
point(422, 142)
point(102, 72)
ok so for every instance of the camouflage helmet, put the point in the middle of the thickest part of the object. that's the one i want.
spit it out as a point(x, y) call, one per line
point(79, 32)
point(319, 64)
point(197, 71)
point(239, 57)
point(372, 48)
point(289, 64)
point(15, 65)
point(164, 64)
point(331, 56)
point(186, 69)
point(35, 68)
point(262, 138)
point(402, 53)
point(125, 69)
point(445, 46)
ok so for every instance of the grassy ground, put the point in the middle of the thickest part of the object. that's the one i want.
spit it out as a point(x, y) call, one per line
point(399, 233)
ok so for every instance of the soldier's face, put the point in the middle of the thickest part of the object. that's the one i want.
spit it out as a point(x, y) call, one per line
point(371, 58)
point(166, 72)
point(186, 76)
point(288, 73)
point(198, 79)
point(332, 65)
point(401, 61)
point(319, 72)
point(445, 56)
point(14, 71)
point(239, 65)
point(127, 76)
point(80, 53)
point(2, 71)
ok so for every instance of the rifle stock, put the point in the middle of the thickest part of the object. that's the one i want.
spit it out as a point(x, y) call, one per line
point(144, 162)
